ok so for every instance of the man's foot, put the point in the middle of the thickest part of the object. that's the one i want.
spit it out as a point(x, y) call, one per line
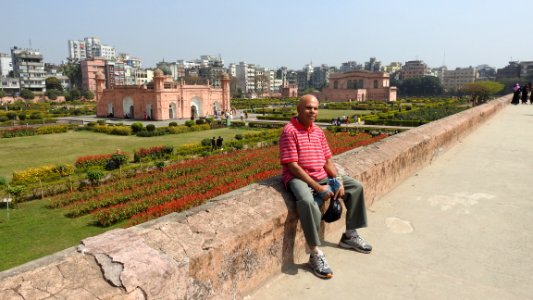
point(320, 266)
point(355, 242)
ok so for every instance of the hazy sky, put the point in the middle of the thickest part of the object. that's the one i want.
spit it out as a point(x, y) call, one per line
point(274, 33)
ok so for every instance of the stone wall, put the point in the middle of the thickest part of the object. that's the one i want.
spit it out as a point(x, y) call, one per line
point(228, 247)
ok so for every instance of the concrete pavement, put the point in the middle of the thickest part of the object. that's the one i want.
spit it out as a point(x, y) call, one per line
point(458, 229)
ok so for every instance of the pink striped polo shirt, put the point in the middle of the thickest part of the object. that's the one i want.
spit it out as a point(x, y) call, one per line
point(308, 147)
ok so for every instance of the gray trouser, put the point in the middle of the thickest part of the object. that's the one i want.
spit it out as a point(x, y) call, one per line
point(309, 212)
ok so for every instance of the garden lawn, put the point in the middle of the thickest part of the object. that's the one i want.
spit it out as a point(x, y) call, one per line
point(21, 153)
point(34, 231)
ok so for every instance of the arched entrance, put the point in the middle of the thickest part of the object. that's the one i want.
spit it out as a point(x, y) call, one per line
point(172, 110)
point(196, 107)
point(149, 112)
point(127, 106)
point(110, 110)
point(216, 108)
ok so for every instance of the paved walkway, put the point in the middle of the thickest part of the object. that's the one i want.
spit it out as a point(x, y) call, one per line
point(462, 228)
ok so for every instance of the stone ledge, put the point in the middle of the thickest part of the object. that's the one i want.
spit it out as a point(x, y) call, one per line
point(228, 247)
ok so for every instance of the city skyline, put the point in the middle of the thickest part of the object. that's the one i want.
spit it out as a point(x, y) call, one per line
point(278, 33)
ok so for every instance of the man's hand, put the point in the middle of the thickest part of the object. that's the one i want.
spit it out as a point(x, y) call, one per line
point(340, 192)
point(322, 189)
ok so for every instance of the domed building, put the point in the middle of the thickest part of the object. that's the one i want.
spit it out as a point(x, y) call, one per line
point(162, 99)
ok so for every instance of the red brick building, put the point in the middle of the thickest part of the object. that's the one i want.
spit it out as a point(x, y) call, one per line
point(358, 86)
point(162, 100)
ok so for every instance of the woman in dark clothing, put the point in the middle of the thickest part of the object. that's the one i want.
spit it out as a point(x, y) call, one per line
point(524, 94)
point(516, 95)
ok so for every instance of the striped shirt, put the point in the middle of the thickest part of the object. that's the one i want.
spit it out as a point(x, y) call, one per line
point(306, 146)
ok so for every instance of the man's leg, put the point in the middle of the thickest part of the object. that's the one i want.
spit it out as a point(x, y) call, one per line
point(354, 200)
point(308, 211)
point(310, 218)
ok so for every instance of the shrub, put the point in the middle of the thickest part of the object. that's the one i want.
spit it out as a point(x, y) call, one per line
point(200, 121)
point(189, 123)
point(153, 153)
point(150, 127)
point(206, 142)
point(137, 127)
point(3, 181)
point(27, 94)
point(52, 129)
point(42, 173)
point(172, 124)
point(95, 175)
point(239, 136)
point(116, 160)
point(178, 129)
point(36, 115)
point(22, 116)
point(145, 133)
point(18, 131)
point(11, 115)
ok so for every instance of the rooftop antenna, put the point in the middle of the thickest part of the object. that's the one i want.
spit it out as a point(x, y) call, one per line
point(444, 59)
point(30, 43)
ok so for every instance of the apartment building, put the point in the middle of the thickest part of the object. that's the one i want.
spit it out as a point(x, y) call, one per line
point(28, 66)
point(90, 67)
point(90, 47)
point(245, 77)
point(414, 68)
point(6, 64)
point(453, 80)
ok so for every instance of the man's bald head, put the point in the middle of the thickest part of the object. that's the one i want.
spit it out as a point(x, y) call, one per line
point(307, 109)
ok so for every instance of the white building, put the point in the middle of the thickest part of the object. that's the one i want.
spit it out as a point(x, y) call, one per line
point(28, 66)
point(245, 74)
point(6, 64)
point(90, 47)
point(453, 80)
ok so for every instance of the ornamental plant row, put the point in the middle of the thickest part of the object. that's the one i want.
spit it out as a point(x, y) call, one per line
point(185, 184)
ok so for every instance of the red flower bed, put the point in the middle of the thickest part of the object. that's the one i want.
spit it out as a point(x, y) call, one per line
point(186, 184)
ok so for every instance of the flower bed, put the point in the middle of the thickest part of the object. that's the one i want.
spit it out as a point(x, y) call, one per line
point(186, 184)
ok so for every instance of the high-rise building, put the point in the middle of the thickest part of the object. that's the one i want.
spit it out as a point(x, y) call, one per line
point(90, 47)
point(77, 50)
point(6, 64)
point(414, 68)
point(28, 66)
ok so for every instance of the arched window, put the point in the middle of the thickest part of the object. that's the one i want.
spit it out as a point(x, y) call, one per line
point(360, 84)
point(335, 84)
point(350, 85)
point(375, 84)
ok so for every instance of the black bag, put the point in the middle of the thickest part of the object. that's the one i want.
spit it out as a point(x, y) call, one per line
point(334, 211)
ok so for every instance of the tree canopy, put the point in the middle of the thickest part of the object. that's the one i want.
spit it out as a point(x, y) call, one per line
point(420, 86)
point(52, 83)
point(481, 91)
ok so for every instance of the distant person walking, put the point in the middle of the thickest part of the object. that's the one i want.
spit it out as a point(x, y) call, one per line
point(213, 143)
point(516, 94)
point(219, 142)
point(525, 91)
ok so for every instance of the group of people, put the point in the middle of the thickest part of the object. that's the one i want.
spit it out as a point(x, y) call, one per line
point(521, 93)
point(216, 143)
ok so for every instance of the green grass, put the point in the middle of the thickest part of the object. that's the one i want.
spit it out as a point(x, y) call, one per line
point(33, 151)
point(33, 231)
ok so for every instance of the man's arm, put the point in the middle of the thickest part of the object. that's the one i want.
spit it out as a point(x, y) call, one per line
point(331, 170)
point(299, 173)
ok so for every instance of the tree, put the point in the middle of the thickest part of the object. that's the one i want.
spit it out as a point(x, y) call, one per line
point(52, 83)
point(72, 70)
point(420, 86)
point(73, 94)
point(481, 91)
point(52, 94)
point(88, 95)
point(27, 94)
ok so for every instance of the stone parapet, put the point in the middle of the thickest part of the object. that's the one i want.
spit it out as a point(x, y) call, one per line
point(231, 245)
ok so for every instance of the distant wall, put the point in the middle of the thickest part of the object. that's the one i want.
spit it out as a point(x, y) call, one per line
point(228, 247)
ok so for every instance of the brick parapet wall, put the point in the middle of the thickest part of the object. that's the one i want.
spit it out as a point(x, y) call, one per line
point(228, 247)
